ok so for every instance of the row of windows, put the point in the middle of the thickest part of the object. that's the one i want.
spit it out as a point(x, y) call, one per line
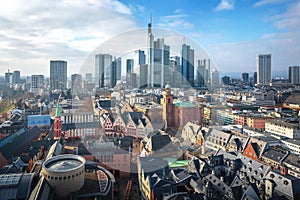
point(63, 177)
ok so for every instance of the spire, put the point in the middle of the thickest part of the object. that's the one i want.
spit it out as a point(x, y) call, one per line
point(150, 25)
point(57, 113)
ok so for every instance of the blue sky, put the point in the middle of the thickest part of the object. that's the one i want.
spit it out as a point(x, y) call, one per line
point(232, 32)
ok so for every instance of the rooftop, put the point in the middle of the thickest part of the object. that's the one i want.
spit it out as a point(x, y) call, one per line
point(184, 104)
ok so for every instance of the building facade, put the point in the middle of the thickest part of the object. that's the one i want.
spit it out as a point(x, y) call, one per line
point(58, 74)
point(103, 64)
point(187, 63)
point(294, 75)
point(263, 69)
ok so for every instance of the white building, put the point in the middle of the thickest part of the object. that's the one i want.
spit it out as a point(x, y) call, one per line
point(283, 129)
point(263, 68)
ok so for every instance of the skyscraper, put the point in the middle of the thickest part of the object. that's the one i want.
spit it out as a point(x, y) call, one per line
point(263, 68)
point(139, 58)
point(175, 68)
point(9, 77)
point(37, 82)
point(255, 78)
point(187, 63)
point(158, 61)
point(115, 71)
point(58, 74)
point(102, 70)
point(129, 65)
point(294, 75)
point(76, 82)
point(215, 77)
point(245, 77)
point(16, 77)
point(89, 77)
point(201, 72)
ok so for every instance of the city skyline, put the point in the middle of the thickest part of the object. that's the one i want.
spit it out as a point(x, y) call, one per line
point(217, 26)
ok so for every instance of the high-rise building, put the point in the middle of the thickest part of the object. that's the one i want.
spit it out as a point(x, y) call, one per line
point(115, 71)
point(245, 77)
point(255, 78)
point(76, 82)
point(143, 74)
point(16, 77)
point(158, 61)
point(9, 77)
point(203, 75)
point(215, 77)
point(187, 63)
point(225, 80)
point(89, 77)
point(139, 58)
point(37, 82)
point(263, 69)
point(201, 72)
point(129, 65)
point(58, 74)
point(176, 74)
point(294, 75)
point(103, 64)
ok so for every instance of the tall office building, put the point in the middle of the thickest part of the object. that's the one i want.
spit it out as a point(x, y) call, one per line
point(187, 63)
point(225, 80)
point(255, 78)
point(201, 72)
point(139, 59)
point(102, 70)
point(263, 69)
point(76, 83)
point(215, 77)
point(37, 82)
point(58, 74)
point(176, 73)
point(8, 77)
point(115, 71)
point(158, 61)
point(129, 65)
point(245, 77)
point(89, 77)
point(16, 77)
point(294, 75)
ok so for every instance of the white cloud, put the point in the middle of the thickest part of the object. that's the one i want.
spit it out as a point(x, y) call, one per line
point(225, 5)
point(266, 2)
point(289, 19)
point(176, 21)
point(33, 33)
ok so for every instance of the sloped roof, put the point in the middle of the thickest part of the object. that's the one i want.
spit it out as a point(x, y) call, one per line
point(159, 141)
point(15, 186)
point(293, 159)
point(13, 148)
point(285, 185)
point(275, 154)
point(184, 104)
point(293, 99)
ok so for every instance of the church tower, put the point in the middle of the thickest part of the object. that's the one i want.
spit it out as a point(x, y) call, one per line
point(167, 103)
point(57, 123)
